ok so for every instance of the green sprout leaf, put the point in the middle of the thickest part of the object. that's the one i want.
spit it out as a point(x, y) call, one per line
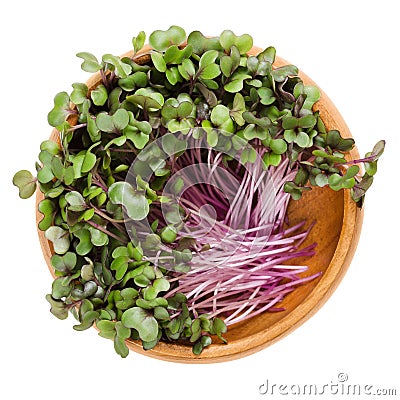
point(25, 182)
point(141, 320)
point(281, 73)
point(228, 39)
point(76, 201)
point(120, 347)
point(58, 115)
point(158, 61)
point(79, 93)
point(161, 40)
point(138, 41)
point(99, 95)
point(201, 44)
point(58, 308)
point(236, 82)
point(90, 62)
point(238, 108)
point(220, 117)
point(147, 99)
point(47, 208)
point(59, 237)
point(121, 69)
point(65, 263)
point(134, 202)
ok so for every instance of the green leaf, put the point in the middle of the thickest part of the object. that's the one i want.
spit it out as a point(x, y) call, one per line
point(218, 328)
point(121, 69)
point(210, 72)
point(138, 138)
point(266, 96)
point(294, 190)
point(85, 245)
point(200, 43)
point(321, 180)
point(161, 314)
point(236, 82)
point(138, 41)
point(168, 234)
point(308, 121)
point(352, 171)
point(97, 237)
point(197, 348)
point(158, 61)
point(278, 146)
point(87, 271)
point(141, 320)
point(272, 159)
point(172, 145)
point(25, 182)
point(58, 115)
point(120, 265)
point(136, 80)
point(79, 93)
point(120, 347)
point(378, 149)
point(47, 208)
point(161, 285)
point(228, 39)
point(238, 108)
point(253, 131)
point(267, 55)
point(59, 237)
point(120, 119)
point(161, 40)
point(125, 298)
point(281, 73)
point(76, 201)
point(134, 202)
point(226, 65)
point(89, 161)
point(106, 328)
point(45, 174)
point(371, 167)
point(248, 155)
point(60, 288)
point(212, 137)
point(57, 167)
point(99, 95)
point(289, 122)
point(147, 99)
point(58, 308)
point(187, 69)
point(50, 146)
point(90, 62)
point(335, 141)
point(359, 189)
point(220, 116)
point(208, 58)
point(312, 94)
point(302, 139)
point(104, 122)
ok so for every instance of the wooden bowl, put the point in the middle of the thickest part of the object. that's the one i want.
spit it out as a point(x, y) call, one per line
point(336, 232)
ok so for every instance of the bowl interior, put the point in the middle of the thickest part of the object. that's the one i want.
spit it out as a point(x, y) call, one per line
point(336, 231)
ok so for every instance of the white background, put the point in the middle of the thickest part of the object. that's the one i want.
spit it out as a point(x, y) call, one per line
point(350, 48)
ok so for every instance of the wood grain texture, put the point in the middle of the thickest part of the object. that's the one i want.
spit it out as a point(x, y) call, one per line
point(337, 230)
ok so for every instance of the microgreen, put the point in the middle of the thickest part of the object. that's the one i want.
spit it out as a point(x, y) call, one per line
point(164, 199)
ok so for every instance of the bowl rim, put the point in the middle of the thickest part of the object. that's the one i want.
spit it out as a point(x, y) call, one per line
point(327, 284)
